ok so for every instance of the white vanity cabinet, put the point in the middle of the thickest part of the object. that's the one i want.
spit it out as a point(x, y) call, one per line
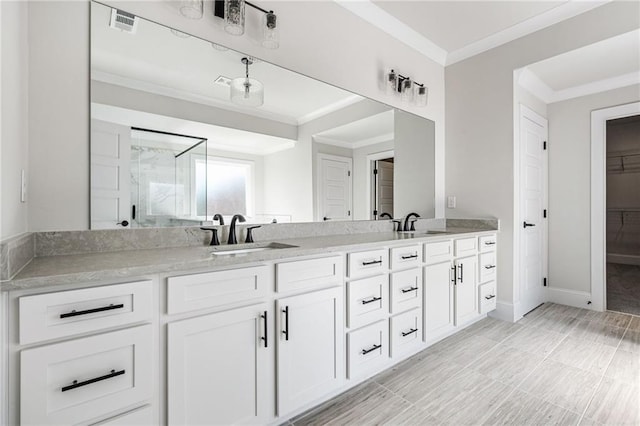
point(217, 367)
point(465, 289)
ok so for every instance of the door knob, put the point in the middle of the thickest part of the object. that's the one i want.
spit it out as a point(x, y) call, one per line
point(525, 224)
point(123, 223)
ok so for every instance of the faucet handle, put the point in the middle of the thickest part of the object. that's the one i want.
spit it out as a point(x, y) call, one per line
point(214, 236)
point(249, 238)
point(397, 222)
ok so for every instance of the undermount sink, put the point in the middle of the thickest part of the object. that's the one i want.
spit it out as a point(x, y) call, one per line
point(436, 232)
point(249, 248)
point(423, 232)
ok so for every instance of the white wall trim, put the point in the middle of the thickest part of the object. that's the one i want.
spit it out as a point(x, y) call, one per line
point(354, 145)
point(578, 299)
point(598, 197)
point(328, 109)
point(504, 311)
point(369, 159)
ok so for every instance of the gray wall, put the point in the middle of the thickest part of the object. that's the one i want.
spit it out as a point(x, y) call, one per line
point(570, 186)
point(479, 126)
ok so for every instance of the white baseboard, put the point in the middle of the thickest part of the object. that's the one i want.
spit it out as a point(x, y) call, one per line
point(578, 299)
point(504, 311)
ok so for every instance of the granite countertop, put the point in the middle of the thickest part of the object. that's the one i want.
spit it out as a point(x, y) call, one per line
point(83, 268)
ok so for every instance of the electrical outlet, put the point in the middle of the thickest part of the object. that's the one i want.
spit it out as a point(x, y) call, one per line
point(451, 202)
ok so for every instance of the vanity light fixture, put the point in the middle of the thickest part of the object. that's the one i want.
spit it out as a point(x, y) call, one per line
point(247, 91)
point(410, 91)
point(192, 9)
point(233, 14)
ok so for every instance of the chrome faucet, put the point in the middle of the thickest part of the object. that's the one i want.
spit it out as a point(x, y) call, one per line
point(406, 221)
point(232, 228)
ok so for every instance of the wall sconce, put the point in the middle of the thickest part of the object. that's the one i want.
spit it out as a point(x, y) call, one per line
point(233, 13)
point(410, 91)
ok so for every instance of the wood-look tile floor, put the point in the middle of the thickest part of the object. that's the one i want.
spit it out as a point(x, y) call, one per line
point(559, 365)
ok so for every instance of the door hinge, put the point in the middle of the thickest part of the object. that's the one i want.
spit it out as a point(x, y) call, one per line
point(349, 173)
point(349, 213)
point(544, 282)
point(375, 212)
point(544, 213)
point(544, 145)
point(375, 171)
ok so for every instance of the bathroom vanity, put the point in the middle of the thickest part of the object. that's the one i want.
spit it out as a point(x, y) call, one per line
point(183, 336)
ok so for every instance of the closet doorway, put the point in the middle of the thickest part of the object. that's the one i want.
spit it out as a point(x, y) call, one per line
point(623, 215)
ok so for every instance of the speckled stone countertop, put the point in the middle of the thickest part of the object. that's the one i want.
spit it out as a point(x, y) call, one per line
point(98, 267)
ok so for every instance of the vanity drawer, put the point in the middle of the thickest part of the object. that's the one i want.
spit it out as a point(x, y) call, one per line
point(367, 349)
point(488, 242)
point(309, 274)
point(67, 313)
point(367, 263)
point(438, 251)
point(142, 416)
point(488, 299)
point(405, 257)
point(405, 290)
point(465, 246)
point(75, 381)
point(487, 266)
point(406, 332)
point(198, 291)
point(367, 300)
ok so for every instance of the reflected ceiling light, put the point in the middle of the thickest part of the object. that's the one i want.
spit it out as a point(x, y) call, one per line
point(410, 91)
point(247, 91)
point(233, 14)
point(192, 9)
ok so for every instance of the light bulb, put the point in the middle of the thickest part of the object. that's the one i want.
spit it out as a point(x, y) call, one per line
point(234, 17)
point(407, 90)
point(270, 36)
point(392, 82)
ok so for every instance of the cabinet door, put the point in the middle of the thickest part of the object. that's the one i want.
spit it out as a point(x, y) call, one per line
point(217, 368)
point(438, 300)
point(466, 289)
point(310, 347)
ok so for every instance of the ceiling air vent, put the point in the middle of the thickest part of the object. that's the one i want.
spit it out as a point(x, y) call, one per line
point(223, 81)
point(123, 21)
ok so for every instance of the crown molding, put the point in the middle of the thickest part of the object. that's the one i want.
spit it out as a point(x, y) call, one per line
point(328, 109)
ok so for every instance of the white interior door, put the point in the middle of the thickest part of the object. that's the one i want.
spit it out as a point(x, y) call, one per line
point(384, 187)
point(334, 187)
point(110, 175)
point(533, 202)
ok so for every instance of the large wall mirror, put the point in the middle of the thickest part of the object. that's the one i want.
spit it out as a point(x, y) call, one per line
point(177, 136)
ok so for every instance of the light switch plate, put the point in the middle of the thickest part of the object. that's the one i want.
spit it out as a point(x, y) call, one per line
point(451, 202)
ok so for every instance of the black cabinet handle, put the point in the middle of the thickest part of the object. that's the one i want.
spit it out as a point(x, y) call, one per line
point(411, 256)
point(266, 328)
point(489, 297)
point(455, 275)
point(407, 333)
point(408, 290)
point(366, 351)
point(286, 323)
point(461, 277)
point(489, 266)
point(525, 224)
point(77, 384)
point(373, 299)
point(489, 243)
point(373, 262)
point(75, 313)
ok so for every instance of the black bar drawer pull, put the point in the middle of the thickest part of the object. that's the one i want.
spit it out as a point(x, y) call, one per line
point(285, 311)
point(407, 333)
point(77, 384)
point(409, 290)
point(489, 243)
point(455, 275)
point(373, 262)
point(489, 266)
point(409, 256)
point(489, 297)
point(264, 316)
point(75, 313)
point(526, 225)
point(366, 351)
point(461, 277)
point(373, 299)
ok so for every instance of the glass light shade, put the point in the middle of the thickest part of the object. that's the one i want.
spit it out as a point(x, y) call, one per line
point(407, 90)
point(247, 91)
point(192, 9)
point(422, 93)
point(270, 33)
point(392, 82)
point(234, 17)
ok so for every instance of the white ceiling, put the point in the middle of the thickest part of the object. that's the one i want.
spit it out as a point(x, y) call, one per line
point(367, 131)
point(156, 60)
point(450, 31)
